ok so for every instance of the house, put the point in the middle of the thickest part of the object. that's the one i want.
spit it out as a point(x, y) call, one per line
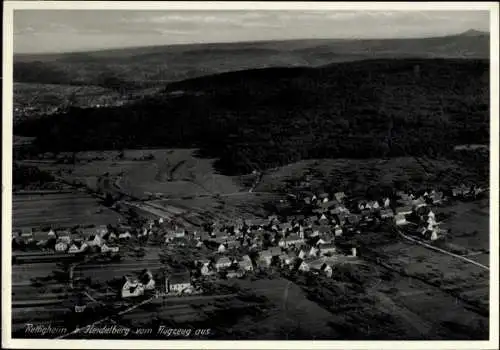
point(200, 244)
point(178, 282)
point(132, 288)
point(353, 219)
point(434, 235)
point(246, 263)
point(313, 252)
point(147, 280)
point(112, 237)
point(179, 233)
point(75, 237)
point(222, 248)
point(404, 210)
point(354, 251)
point(403, 195)
point(375, 205)
point(232, 244)
point(386, 213)
point(27, 234)
point(323, 219)
point(400, 219)
point(108, 249)
point(222, 263)
point(61, 246)
point(266, 256)
point(102, 230)
point(124, 235)
point(52, 234)
point(327, 248)
point(431, 215)
point(293, 239)
point(303, 266)
point(289, 258)
point(302, 254)
point(40, 236)
point(234, 273)
point(327, 270)
point(339, 196)
point(418, 203)
point(64, 236)
point(77, 247)
point(387, 203)
point(361, 206)
point(205, 266)
point(437, 197)
point(285, 227)
point(338, 230)
point(366, 212)
point(94, 241)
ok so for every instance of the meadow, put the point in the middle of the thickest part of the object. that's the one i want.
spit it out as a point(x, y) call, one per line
point(60, 210)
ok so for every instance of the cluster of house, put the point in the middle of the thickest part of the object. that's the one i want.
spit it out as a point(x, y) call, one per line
point(176, 283)
point(72, 242)
point(465, 192)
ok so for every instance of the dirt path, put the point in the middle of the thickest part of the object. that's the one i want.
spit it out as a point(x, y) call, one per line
point(467, 260)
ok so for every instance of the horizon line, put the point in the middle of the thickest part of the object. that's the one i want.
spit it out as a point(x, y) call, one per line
point(480, 32)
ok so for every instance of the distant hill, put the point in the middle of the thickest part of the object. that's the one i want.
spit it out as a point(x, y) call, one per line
point(134, 68)
point(269, 117)
point(475, 33)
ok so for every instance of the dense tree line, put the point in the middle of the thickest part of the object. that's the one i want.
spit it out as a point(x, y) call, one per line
point(269, 117)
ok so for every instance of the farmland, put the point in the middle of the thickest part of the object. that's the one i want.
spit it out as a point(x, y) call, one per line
point(143, 173)
point(63, 210)
point(469, 224)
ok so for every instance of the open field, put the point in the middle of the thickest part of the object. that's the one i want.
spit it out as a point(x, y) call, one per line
point(63, 210)
point(170, 172)
point(226, 207)
point(294, 311)
point(469, 224)
point(463, 284)
point(358, 175)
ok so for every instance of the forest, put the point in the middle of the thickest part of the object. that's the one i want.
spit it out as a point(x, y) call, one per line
point(263, 118)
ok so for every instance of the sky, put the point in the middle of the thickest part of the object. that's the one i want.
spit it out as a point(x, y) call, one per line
point(45, 31)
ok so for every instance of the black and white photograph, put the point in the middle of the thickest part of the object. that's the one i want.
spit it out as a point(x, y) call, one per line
point(189, 173)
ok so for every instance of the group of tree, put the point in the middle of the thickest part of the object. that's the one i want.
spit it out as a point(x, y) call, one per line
point(275, 116)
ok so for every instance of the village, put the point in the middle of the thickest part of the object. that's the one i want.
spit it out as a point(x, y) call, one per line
point(314, 239)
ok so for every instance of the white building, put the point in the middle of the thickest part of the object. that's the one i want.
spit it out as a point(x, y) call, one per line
point(61, 247)
point(132, 288)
